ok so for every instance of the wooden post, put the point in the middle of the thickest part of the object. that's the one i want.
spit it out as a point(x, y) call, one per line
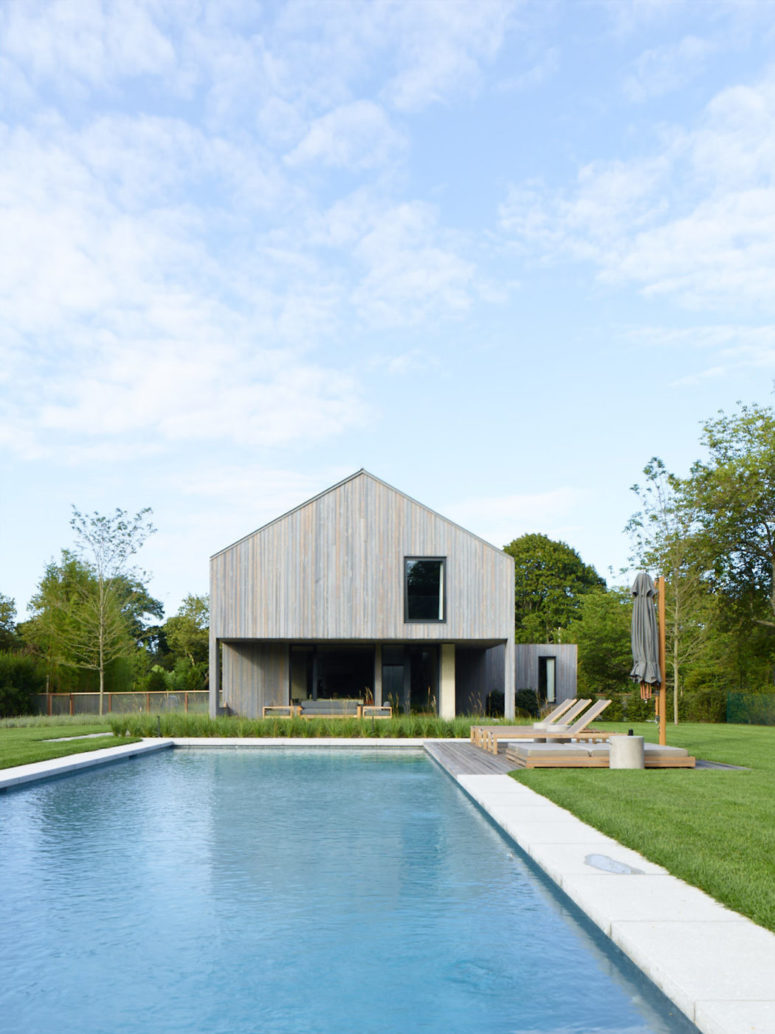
point(662, 688)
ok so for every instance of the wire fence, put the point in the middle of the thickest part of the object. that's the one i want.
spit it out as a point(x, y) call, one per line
point(158, 702)
point(751, 708)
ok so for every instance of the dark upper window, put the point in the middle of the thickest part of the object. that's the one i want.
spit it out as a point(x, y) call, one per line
point(425, 595)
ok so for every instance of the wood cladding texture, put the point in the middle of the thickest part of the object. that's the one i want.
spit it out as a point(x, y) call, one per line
point(527, 655)
point(256, 674)
point(334, 569)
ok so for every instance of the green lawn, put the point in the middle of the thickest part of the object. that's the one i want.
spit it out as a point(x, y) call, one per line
point(22, 740)
point(713, 828)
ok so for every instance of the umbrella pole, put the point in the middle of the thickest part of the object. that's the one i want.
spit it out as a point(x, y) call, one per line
point(662, 687)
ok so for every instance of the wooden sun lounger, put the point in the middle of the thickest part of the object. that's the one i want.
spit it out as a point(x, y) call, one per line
point(590, 755)
point(567, 709)
point(578, 731)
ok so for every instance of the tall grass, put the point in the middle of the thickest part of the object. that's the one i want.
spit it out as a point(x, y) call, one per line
point(403, 726)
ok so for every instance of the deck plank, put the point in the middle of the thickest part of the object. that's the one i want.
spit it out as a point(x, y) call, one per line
point(462, 758)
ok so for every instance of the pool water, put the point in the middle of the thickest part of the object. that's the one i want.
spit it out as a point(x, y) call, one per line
point(293, 892)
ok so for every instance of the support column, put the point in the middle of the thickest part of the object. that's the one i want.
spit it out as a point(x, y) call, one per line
point(509, 680)
point(215, 676)
point(378, 674)
point(447, 681)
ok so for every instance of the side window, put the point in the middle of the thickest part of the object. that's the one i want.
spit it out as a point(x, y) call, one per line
point(424, 589)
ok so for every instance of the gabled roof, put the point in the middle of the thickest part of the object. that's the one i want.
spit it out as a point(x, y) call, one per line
point(358, 473)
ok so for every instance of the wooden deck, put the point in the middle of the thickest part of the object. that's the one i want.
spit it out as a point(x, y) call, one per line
point(463, 758)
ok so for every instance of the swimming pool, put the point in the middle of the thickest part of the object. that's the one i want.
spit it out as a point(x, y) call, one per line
point(290, 891)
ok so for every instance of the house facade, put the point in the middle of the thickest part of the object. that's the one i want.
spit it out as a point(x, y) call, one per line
point(549, 669)
point(361, 592)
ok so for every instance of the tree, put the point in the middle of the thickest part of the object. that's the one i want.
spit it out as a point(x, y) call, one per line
point(8, 637)
point(731, 498)
point(86, 610)
point(187, 633)
point(64, 617)
point(550, 580)
point(663, 540)
point(602, 632)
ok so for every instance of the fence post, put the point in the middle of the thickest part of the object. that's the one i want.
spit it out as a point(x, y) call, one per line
point(148, 703)
point(48, 707)
point(185, 703)
point(72, 709)
point(110, 702)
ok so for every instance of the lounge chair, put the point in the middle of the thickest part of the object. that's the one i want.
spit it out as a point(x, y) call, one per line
point(577, 731)
point(573, 708)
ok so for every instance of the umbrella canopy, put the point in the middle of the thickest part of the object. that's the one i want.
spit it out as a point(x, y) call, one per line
point(645, 639)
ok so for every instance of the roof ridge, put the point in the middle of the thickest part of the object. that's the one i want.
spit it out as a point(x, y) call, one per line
point(361, 472)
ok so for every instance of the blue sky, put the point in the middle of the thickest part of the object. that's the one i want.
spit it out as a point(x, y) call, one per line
point(497, 253)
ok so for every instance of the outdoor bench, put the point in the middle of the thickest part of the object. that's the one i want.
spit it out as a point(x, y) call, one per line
point(328, 709)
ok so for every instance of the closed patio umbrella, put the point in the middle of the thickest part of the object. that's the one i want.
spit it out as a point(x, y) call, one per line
point(645, 637)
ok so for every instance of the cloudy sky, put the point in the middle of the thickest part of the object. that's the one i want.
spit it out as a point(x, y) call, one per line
point(498, 253)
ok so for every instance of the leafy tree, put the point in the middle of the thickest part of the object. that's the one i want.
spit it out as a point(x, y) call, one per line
point(47, 631)
point(602, 632)
point(187, 633)
point(137, 605)
point(731, 499)
point(8, 637)
point(88, 610)
point(550, 579)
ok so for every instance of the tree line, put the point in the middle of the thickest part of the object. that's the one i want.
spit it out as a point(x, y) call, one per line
point(711, 534)
point(94, 625)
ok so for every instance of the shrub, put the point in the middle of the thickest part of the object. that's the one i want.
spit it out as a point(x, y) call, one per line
point(704, 705)
point(751, 708)
point(526, 701)
point(494, 707)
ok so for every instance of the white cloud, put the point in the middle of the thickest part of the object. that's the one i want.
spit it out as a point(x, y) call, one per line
point(354, 136)
point(695, 221)
point(730, 348)
point(664, 69)
point(542, 69)
point(443, 45)
point(412, 268)
point(85, 42)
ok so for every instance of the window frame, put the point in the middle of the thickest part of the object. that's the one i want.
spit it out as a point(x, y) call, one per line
point(442, 561)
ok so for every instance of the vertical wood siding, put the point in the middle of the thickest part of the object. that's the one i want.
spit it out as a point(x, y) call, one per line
point(527, 655)
point(254, 675)
point(334, 569)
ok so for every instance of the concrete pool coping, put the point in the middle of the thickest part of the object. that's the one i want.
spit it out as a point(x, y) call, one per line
point(714, 964)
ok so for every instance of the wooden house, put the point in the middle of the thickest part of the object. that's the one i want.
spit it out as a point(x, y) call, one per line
point(361, 593)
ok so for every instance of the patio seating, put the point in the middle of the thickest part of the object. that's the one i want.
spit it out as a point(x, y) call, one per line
point(334, 708)
point(566, 709)
point(578, 731)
